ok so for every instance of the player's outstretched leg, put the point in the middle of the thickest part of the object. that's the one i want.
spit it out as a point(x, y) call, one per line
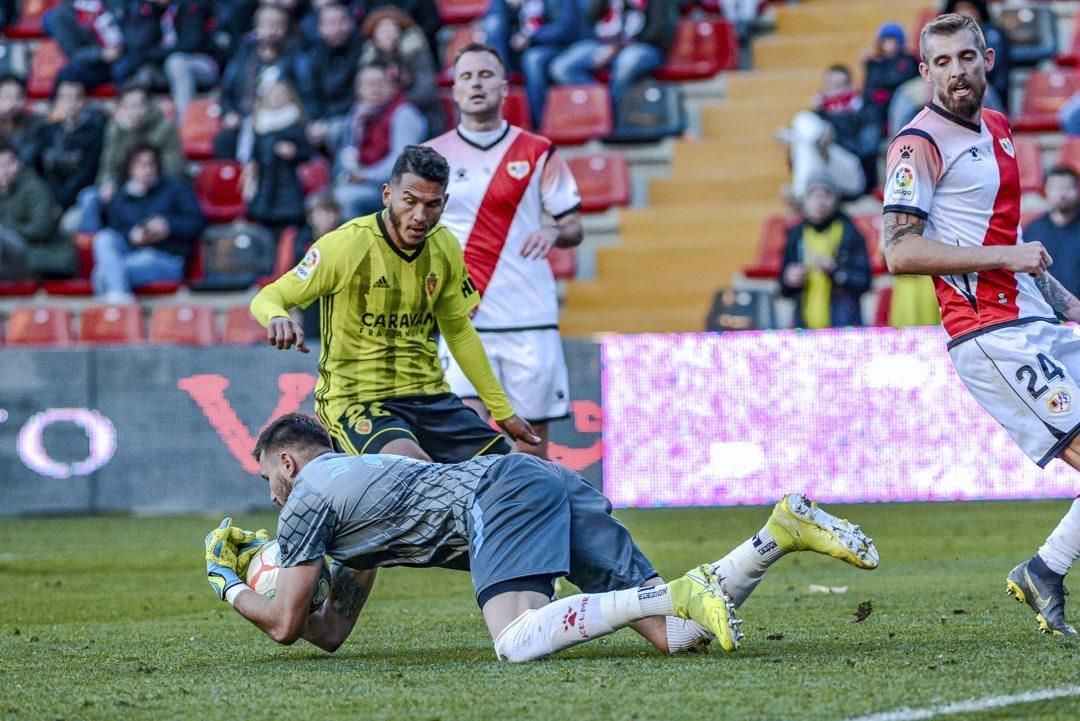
point(699, 596)
point(796, 524)
point(1044, 591)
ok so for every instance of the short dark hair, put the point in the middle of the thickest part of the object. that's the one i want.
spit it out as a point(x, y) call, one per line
point(137, 150)
point(950, 24)
point(67, 81)
point(839, 68)
point(292, 430)
point(475, 47)
point(6, 78)
point(323, 200)
point(981, 7)
point(422, 161)
point(1057, 170)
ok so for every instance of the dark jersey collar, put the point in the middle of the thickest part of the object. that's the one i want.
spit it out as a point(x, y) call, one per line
point(407, 256)
point(954, 118)
point(490, 145)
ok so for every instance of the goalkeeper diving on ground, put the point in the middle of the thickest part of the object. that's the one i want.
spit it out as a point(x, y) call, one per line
point(516, 523)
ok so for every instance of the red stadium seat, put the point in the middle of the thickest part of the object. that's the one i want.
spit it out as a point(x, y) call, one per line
point(39, 326)
point(79, 285)
point(455, 12)
point(576, 114)
point(1044, 94)
point(870, 227)
point(45, 64)
point(701, 49)
point(218, 189)
point(17, 288)
point(201, 123)
point(112, 324)
point(461, 37)
point(1029, 159)
point(1069, 154)
point(516, 109)
point(925, 16)
point(603, 179)
point(314, 175)
point(183, 325)
point(241, 327)
point(29, 25)
point(770, 249)
point(884, 305)
point(563, 262)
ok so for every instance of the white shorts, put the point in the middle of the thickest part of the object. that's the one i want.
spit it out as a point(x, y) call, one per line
point(1026, 377)
point(530, 366)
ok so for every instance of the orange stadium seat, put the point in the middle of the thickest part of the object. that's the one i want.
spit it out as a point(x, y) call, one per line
point(314, 175)
point(39, 325)
point(1029, 159)
point(563, 262)
point(770, 248)
point(455, 12)
point(80, 285)
point(1069, 154)
point(218, 189)
point(1044, 94)
point(701, 49)
point(241, 328)
point(17, 288)
point(112, 324)
point(576, 114)
point(29, 25)
point(183, 325)
point(201, 123)
point(603, 179)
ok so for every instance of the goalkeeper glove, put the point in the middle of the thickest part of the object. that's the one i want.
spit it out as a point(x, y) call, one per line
point(247, 551)
point(221, 561)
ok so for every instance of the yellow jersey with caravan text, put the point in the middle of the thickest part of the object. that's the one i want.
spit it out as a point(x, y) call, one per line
point(379, 306)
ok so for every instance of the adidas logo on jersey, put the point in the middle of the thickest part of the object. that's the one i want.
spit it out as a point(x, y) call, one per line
point(381, 283)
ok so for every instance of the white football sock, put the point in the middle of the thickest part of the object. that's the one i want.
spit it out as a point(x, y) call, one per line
point(743, 568)
point(684, 635)
point(1062, 547)
point(575, 619)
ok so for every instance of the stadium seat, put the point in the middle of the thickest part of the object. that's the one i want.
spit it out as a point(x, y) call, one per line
point(314, 175)
point(29, 25)
point(576, 114)
point(241, 328)
point(201, 123)
point(218, 189)
point(1032, 32)
point(701, 49)
point(925, 16)
point(1071, 57)
point(1044, 94)
point(650, 112)
point(111, 324)
point(80, 285)
point(563, 262)
point(870, 227)
point(39, 326)
point(17, 288)
point(516, 109)
point(1029, 159)
point(183, 325)
point(46, 63)
point(285, 258)
point(770, 249)
point(459, 38)
point(455, 12)
point(1070, 154)
point(884, 305)
point(603, 179)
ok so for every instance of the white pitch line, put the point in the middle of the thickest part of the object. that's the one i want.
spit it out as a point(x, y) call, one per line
point(973, 705)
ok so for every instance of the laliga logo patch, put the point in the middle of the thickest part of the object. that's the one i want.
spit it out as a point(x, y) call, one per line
point(518, 169)
point(1059, 401)
point(903, 183)
point(363, 426)
point(308, 264)
point(1007, 146)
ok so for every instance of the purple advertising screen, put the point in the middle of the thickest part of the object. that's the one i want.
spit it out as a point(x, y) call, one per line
point(850, 415)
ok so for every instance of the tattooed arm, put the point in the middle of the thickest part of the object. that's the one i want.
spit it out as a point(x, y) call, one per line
point(908, 251)
point(1062, 301)
point(328, 627)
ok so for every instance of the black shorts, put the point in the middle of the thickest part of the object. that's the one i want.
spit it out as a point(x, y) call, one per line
point(447, 429)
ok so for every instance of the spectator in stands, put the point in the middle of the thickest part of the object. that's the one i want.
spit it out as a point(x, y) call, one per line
point(272, 189)
point(425, 13)
point(90, 36)
point(631, 37)
point(841, 105)
point(381, 124)
point(323, 215)
point(232, 21)
point(887, 68)
point(29, 244)
point(136, 122)
point(813, 152)
point(826, 267)
point(151, 227)
point(70, 146)
point(18, 123)
point(169, 42)
point(393, 39)
point(333, 63)
point(529, 35)
point(1059, 228)
point(996, 38)
point(268, 55)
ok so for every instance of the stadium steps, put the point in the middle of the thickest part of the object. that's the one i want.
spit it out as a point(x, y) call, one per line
point(703, 221)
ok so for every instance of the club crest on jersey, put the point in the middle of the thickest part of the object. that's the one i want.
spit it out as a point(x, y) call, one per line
point(308, 264)
point(431, 283)
point(1007, 146)
point(518, 169)
point(1059, 401)
point(363, 426)
point(903, 183)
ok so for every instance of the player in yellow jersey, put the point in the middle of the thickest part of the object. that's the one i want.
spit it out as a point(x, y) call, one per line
point(386, 283)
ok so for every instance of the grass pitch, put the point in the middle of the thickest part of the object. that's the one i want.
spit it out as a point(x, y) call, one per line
point(111, 618)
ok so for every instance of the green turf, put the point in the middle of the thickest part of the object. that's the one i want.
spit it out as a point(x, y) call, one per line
point(111, 618)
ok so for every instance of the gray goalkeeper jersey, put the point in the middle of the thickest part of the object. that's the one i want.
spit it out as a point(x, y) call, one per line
point(378, 510)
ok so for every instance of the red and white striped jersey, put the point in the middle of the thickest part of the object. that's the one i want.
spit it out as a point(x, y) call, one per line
point(499, 194)
point(963, 180)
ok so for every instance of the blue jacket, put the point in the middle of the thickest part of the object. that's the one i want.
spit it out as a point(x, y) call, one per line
point(170, 198)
